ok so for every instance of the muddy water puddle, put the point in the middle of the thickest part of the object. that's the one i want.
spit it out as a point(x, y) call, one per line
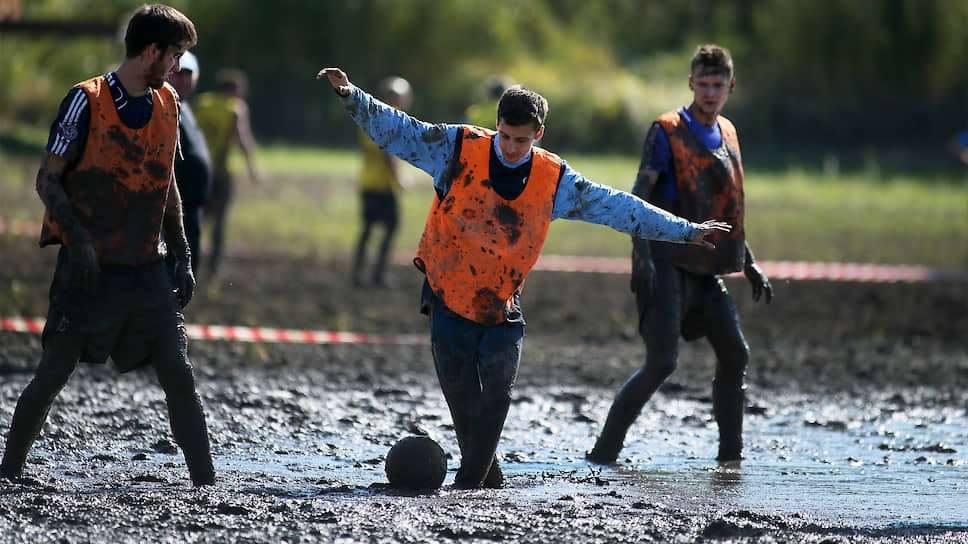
point(864, 459)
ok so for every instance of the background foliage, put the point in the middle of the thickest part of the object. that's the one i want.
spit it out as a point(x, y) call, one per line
point(881, 78)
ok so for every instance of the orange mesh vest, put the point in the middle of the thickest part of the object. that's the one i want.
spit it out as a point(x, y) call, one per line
point(710, 186)
point(119, 188)
point(477, 247)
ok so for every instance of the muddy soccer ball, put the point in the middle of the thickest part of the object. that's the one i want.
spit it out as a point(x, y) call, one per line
point(416, 462)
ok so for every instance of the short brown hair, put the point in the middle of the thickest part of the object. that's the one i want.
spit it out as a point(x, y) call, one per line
point(717, 59)
point(520, 106)
point(160, 24)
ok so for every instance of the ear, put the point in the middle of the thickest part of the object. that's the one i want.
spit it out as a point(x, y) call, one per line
point(732, 85)
point(690, 84)
point(539, 134)
point(153, 52)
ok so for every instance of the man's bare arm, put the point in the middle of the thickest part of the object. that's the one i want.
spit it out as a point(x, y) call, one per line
point(243, 132)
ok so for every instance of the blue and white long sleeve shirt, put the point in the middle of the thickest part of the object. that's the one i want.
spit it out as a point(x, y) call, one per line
point(430, 147)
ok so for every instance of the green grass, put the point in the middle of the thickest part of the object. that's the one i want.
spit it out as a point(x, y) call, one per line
point(307, 204)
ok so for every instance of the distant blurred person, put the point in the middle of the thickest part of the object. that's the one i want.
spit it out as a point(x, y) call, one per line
point(193, 169)
point(691, 167)
point(223, 115)
point(482, 114)
point(958, 146)
point(106, 181)
point(379, 184)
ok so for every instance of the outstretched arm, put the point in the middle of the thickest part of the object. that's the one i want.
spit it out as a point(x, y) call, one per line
point(338, 79)
point(706, 229)
point(427, 146)
point(583, 200)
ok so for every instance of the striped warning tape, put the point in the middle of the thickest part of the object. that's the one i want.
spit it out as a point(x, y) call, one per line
point(780, 270)
point(250, 334)
point(19, 227)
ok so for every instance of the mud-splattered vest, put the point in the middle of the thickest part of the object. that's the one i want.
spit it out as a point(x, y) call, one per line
point(119, 188)
point(477, 247)
point(710, 186)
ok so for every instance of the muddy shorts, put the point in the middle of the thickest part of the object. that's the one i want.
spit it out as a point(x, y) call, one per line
point(684, 303)
point(132, 309)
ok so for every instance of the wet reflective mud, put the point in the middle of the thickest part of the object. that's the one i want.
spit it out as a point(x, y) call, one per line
point(856, 428)
point(300, 457)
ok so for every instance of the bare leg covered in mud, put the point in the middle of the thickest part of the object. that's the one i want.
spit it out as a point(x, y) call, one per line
point(476, 368)
point(682, 304)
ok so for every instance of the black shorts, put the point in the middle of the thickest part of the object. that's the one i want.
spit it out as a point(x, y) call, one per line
point(379, 207)
point(684, 303)
point(132, 309)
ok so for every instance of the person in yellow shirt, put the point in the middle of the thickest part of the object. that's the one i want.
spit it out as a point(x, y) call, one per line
point(379, 184)
point(223, 116)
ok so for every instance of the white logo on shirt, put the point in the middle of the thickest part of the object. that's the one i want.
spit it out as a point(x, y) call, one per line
point(67, 131)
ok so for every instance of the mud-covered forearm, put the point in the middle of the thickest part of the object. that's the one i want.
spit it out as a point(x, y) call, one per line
point(173, 225)
point(50, 188)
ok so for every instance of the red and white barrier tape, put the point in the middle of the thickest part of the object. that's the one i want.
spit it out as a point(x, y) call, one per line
point(250, 334)
point(19, 227)
point(779, 270)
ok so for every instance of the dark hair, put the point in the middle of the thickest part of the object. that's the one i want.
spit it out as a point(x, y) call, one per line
point(160, 24)
point(520, 106)
point(714, 57)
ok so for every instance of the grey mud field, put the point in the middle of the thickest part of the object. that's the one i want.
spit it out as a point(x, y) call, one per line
point(856, 426)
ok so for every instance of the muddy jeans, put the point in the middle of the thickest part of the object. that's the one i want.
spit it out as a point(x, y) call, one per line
point(476, 367)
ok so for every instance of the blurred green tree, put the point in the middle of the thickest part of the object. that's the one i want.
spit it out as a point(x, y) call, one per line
point(817, 75)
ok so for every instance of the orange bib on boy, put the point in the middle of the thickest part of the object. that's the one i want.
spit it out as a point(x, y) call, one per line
point(710, 186)
point(477, 247)
point(119, 188)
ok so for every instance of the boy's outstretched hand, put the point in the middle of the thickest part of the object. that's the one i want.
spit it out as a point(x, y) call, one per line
point(337, 78)
point(707, 228)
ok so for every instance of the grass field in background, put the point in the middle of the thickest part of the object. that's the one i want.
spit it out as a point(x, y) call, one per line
point(307, 204)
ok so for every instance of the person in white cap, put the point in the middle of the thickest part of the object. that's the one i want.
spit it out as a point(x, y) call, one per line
point(193, 170)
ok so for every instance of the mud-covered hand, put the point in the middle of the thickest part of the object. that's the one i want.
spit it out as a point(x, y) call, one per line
point(759, 282)
point(184, 282)
point(84, 267)
point(708, 228)
point(337, 78)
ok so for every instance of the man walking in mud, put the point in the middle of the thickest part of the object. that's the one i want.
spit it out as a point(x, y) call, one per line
point(691, 166)
point(106, 181)
point(496, 196)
